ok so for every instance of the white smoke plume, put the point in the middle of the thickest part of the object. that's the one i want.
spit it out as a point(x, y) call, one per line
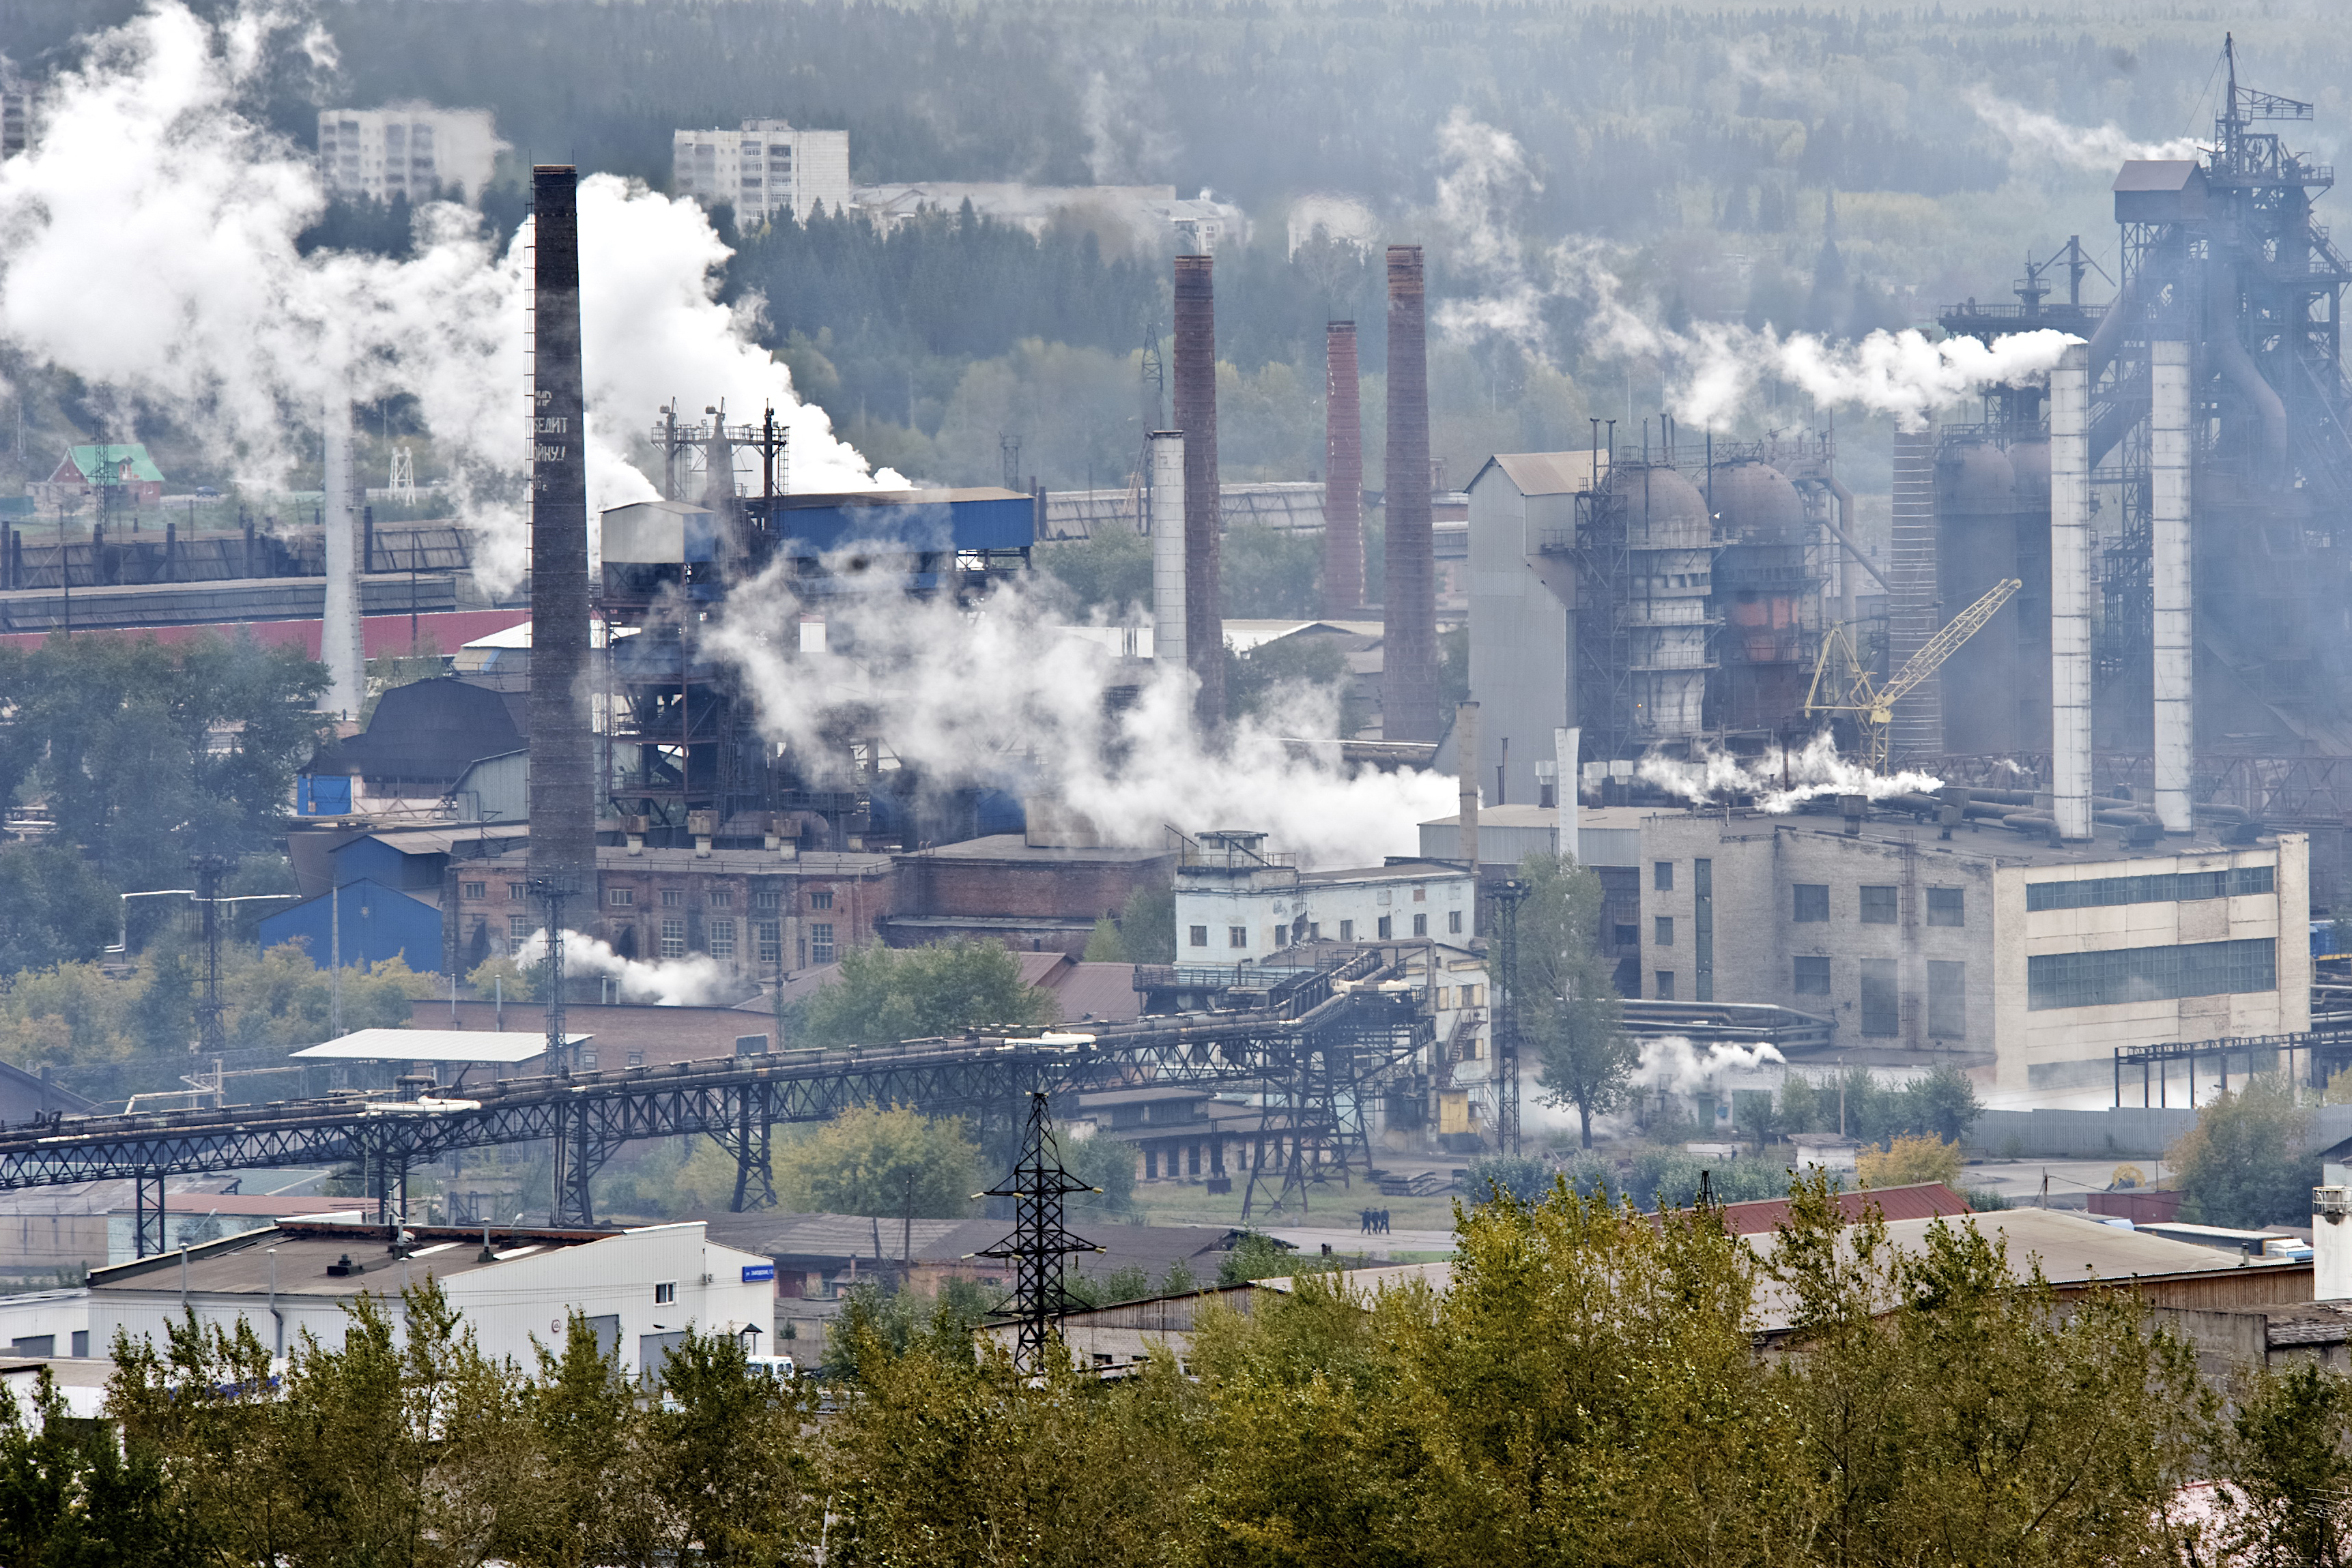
point(998, 696)
point(1673, 1065)
point(148, 244)
point(2037, 138)
point(1710, 371)
point(1781, 779)
point(693, 981)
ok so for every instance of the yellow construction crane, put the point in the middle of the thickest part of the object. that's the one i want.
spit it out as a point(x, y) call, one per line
point(1840, 684)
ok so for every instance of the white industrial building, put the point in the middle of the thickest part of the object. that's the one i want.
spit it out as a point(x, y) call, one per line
point(1237, 903)
point(407, 150)
point(765, 169)
point(2027, 963)
point(640, 1289)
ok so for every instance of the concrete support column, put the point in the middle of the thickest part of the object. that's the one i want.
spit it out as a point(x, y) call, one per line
point(2176, 737)
point(1168, 644)
point(2070, 590)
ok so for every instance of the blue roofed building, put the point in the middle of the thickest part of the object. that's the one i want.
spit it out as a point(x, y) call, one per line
point(364, 921)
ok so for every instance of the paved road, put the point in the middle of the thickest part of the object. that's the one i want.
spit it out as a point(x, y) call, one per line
point(1310, 1238)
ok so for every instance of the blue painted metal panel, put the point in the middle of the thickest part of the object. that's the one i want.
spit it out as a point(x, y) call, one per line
point(322, 795)
point(378, 923)
point(1005, 523)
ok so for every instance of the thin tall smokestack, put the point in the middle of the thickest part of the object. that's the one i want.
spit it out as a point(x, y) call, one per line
point(342, 643)
point(1168, 607)
point(1465, 748)
point(1343, 470)
point(562, 788)
point(1409, 613)
point(2070, 593)
point(1196, 416)
point(2175, 671)
point(1917, 727)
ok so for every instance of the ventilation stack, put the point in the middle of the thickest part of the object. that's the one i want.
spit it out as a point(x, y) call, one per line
point(1196, 416)
point(1167, 542)
point(1343, 469)
point(562, 788)
point(2175, 711)
point(1409, 602)
point(2070, 590)
point(1917, 727)
point(342, 645)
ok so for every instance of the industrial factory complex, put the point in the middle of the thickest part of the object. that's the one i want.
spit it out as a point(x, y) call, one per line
point(2058, 778)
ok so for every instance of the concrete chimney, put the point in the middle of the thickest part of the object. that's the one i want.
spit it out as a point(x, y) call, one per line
point(2175, 669)
point(2331, 1243)
point(1168, 608)
point(563, 774)
point(1409, 600)
point(342, 647)
point(1343, 475)
point(1465, 748)
point(1196, 416)
point(2070, 591)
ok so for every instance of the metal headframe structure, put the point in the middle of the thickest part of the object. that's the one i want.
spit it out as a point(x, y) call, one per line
point(1504, 898)
point(1039, 1242)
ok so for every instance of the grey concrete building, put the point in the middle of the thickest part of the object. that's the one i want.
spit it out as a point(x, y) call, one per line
point(2027, 964)
point(1522, 615)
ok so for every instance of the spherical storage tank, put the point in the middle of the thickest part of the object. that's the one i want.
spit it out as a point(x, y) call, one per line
point(1755, 504)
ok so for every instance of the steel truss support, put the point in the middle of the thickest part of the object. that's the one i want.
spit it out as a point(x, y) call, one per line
point(1036, 1187)
point(147, 1215)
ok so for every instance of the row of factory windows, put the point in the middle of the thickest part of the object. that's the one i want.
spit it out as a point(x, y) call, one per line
point(2150, 974)
point(2170, 888)
point(1880, 904)
point(1305, 930)
point(718, 938)
point(671, 897)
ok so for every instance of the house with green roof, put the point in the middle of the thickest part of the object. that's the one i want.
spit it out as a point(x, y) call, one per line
point(126, 470)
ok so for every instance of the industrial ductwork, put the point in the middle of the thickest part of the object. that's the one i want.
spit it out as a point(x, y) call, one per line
point(1196, 417)
point(563, 778)
point(2070, 589)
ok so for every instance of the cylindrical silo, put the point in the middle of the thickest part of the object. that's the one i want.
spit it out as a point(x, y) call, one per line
point(1762, 596)
point(1976, 547)
point(1669, 556)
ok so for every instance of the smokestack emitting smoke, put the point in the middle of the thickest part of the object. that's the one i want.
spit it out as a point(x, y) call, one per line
point(2175, 666)
point(342, 645)
point(1196, 419)
point(2070, 592)
point(1408, 615)
point(1343, 470)
point(1168, 605)
point(562, 788)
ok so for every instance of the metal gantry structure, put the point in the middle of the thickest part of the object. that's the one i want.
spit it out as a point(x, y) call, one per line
point(1321, 1045)
point(1036, 1187)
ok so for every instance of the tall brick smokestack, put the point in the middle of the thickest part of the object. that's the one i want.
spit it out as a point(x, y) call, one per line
point(1408, 616)
point(563, 781)
point(1343, 474)
point(1196, 416)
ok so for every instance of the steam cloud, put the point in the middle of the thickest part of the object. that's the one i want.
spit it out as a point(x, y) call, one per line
point(693, 981)
point(998, 696)
point(2041, 138)
point(1779, 780)
point(147, 244)
point(1714, 368)
point(1675, 1065)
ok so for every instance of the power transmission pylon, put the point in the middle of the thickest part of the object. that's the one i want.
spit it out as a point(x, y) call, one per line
point(1038, 1243)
